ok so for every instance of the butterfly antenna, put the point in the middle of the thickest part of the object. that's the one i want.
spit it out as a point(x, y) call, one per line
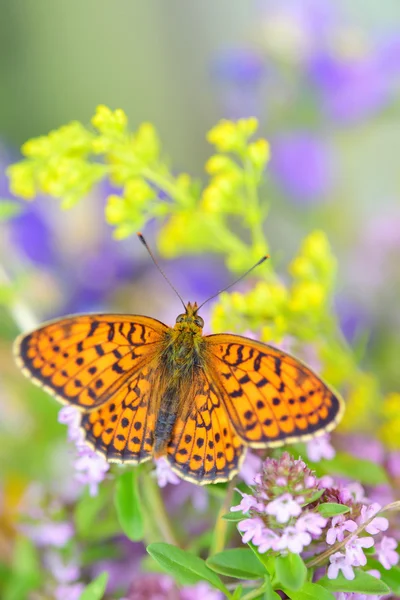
point(141, 238)
point(260, 262)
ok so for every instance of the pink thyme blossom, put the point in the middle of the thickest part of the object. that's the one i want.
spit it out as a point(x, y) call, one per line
point(283, 507)
point(91, 468)
point(247, 502)
point(49, 533)
point(352, 491)
point(326, 481)
point(339, 526)
point(266, 540)
point(312, 523)
point(251, 468)
point(164, 473)
point(63, 572)
point(354, 550)
point(386, 551)
point(70, 416)
point(293, 540)
point(250, 528)
point(340, 562)
point(378, 524)
point(319, 448)
point(69, 592)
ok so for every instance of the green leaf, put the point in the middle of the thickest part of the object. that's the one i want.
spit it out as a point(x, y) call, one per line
point(237, 562)
point(364, 471)
point(291, 571)
point(363, 583)
point(269, 592)
point(391, 577)
point(95, 590)
point(233, 516)
point(331, 509)
point(8, 209)
point(314, 497)
point(237, 594)
point(310, 591)
point(127, 504)
point(187, 568)
point(25, 574)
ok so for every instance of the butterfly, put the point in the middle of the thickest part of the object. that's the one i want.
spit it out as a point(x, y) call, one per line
point(148, 390)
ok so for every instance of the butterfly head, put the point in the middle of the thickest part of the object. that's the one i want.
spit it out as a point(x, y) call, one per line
point(190, 320)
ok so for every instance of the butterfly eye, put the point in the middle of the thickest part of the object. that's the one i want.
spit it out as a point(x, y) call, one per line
point(199, 321)
point(180, 318)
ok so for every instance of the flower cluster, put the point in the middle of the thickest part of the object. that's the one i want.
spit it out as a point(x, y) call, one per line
point(291, 511)
point(90, 468)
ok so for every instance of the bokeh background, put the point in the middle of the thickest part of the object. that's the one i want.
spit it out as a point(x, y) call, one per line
point(322, 77)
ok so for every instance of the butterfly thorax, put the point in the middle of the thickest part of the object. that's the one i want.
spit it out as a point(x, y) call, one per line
point(183, 354)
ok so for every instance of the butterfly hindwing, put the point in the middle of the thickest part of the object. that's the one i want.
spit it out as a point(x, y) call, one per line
point(122, 429)
point(204, 447)
point(271, 397)
point(84, 360)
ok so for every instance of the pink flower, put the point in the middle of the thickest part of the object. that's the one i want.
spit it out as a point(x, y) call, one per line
point(61, 571)
point(340, 562)
point(319, 448)
point(312, 523)
point(354, 550)
point(251, 468)
point(378, 524)
point(201, 591)
point(339, 526)
point(250, 528)
point(352, 491)
point(387, 554)
point(49, 533)
point(164, 473)
point(247, 502)
point(266, 540)
point(91, 468)
point(69, 592)
point(70, 416)
point(283, 507)
point(293, 540)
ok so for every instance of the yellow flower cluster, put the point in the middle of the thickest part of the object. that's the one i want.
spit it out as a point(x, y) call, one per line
point(390, 430)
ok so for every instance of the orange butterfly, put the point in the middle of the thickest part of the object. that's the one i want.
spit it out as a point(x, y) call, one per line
point(148, 390)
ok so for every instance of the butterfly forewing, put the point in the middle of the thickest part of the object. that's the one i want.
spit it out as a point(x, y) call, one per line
point(271, 397)
point(204, 447)
point(84, 360)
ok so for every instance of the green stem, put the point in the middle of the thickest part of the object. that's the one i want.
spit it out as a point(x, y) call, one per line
point(221, 525)
point(255, 593)
point(155, 508)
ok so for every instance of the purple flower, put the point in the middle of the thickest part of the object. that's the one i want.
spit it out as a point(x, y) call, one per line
point(70, 416)
point(201, 591)
point(247, 502)
point(251, 528)
point(283, 507)
point(312, 523)
point(386, 551)
point(152, 586)
point(302, 166)
point(49, 533)
point(393, 464)
point(293, 540)
point(252, 465)
point(91, 468)
point(378, 524)
point(340, 562)
point(63, 572)
point(319, 448)
point(267, 540)
point(354, 550)
point(164, 473)
point(69, 592)
point(338, 527)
